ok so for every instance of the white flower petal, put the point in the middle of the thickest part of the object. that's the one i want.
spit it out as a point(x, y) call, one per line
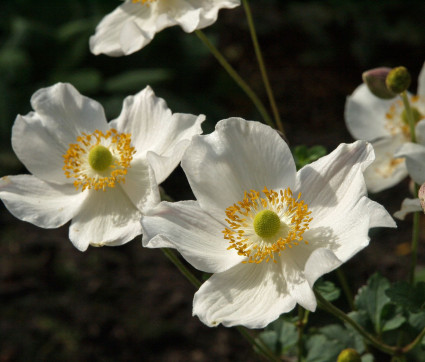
point(43, 155)
point(154, 128)
point(420, 132)
point(195, 234)
point(237, 157)
point(327, 182)
point(133, 25)
point(421, 82)
point(252, 295)
point(198, 14)
point(66, 113)
point(106, 218)
point(344, 230)
point(140, 185)
point(408, 206)
point(365, 115)
point(40, 203)
point(386, 170)
point(109, 36)
point(415, 160)
point(292, 269)
point(320, 262)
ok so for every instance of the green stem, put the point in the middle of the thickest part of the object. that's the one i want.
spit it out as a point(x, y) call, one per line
point(197, 283)
point(323, 303)
point(415, 231)
point(263, 70)
point(236, 77)
point(413, 344)
point(181, 267)
point(260, 345)
point(347, 291)
point(409, 115)
point(300, 327)
point(415, 239)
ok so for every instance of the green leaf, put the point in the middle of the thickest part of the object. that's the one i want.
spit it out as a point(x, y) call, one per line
point(410, 297)
point(136, 80)
point(328, 290)
point(280, 336)
point(320, 349)
point(372, 299)
point(304, 155)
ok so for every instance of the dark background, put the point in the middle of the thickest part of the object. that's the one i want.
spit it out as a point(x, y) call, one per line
point(130, 303)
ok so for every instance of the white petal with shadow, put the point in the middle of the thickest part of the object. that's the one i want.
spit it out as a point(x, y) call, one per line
point(67, 114)
point(106, 218)
point(239, 156)
point(252, 295)
point(40, 203)
point(195, 234)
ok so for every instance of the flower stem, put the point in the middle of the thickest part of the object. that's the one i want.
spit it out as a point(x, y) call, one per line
point(237, 78)
point(181, 267)
point(260, 345)
point(197, 283)
point(300, 326)
point(409, 115)
point(413, 344)
point(415, 238)
point(415, 231)
point(261, 64)
point(347, 291)
point(323, 303)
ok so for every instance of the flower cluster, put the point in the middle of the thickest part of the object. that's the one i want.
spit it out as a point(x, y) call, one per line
point(265, 231)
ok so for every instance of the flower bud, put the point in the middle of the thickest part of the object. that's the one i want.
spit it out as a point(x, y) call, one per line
point(398, 80)
point(349, 355)
point(375, 81)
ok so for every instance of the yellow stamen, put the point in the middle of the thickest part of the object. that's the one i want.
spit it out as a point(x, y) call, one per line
point(293, 215)
point(115, 151)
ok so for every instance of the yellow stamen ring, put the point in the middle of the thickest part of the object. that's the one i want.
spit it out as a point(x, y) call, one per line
point(99, 160)
point(261, 227)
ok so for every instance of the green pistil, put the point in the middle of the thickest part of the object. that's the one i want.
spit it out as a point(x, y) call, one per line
point(100, 158)
point(417, 116)
point(266, 224)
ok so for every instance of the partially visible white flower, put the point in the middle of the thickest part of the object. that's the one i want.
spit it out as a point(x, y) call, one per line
point(414, 154)
point(101, 175)
point(134, 24)
point(266, 231)
point(384, 124)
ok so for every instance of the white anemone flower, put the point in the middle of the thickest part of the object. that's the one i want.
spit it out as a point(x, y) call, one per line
point(133, 25)
point(414, 154)
point(266, 231)
point(384, 124)
point(101, 175)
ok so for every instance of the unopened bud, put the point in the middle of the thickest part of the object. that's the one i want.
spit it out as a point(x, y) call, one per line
point(375, 81)
point(421, 195)
point(349, 355)
point(398, 80)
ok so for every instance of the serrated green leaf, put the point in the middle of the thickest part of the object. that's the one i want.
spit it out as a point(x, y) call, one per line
point(372, 299)
point(320, 349)
point(328, 290)
point(410, 297)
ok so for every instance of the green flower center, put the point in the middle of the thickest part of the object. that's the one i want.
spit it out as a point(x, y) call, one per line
point(417, 116)
point(100, 158)
point(266, 224)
